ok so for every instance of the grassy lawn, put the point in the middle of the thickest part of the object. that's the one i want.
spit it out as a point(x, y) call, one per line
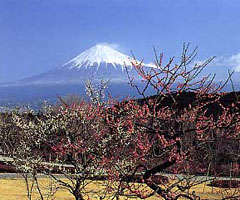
point(14, 189)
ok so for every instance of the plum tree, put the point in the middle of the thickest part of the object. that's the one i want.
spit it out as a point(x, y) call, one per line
point(133, 141)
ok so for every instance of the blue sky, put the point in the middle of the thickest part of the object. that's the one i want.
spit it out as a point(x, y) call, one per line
point(39, 35)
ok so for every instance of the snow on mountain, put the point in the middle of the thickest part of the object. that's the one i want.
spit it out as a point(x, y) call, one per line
point(97, 63)
point(97, 55)
point(100, 62)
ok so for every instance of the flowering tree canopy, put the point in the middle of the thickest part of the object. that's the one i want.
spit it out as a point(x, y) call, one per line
point(176, 132)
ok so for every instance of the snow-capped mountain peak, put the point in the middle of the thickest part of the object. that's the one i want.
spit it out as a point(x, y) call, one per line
point(97, 55)
point(100, 62)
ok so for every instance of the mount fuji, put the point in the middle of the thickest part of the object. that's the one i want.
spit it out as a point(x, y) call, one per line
point(100, 62)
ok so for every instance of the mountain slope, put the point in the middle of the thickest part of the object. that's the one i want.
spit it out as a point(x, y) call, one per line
point(98, 55)
point(98, 62)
